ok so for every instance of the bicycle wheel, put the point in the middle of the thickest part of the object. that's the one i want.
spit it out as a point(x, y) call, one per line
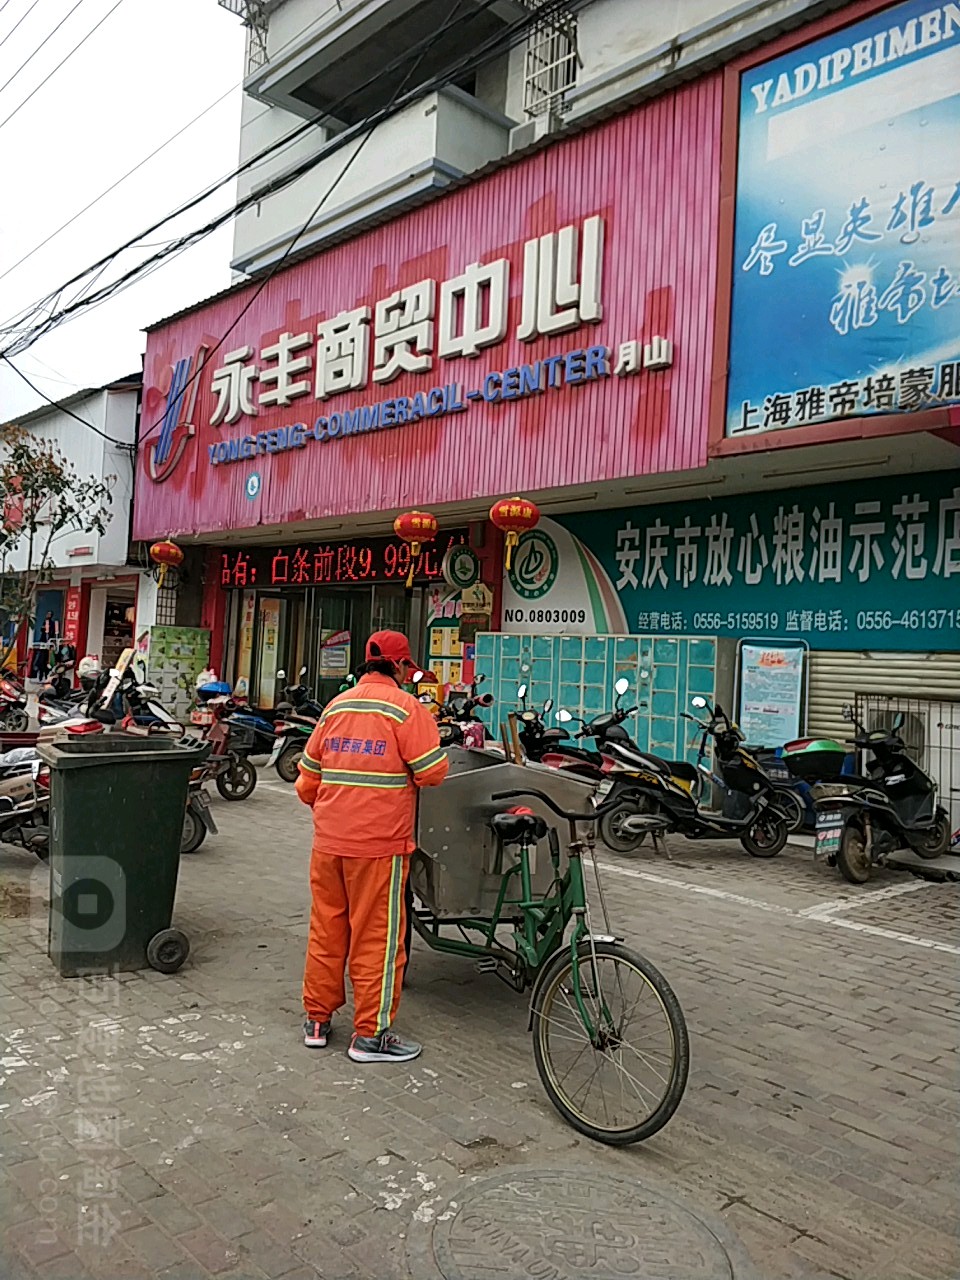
point(625, 1087)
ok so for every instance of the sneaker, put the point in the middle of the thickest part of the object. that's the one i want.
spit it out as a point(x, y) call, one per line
point(315, 1033)
point(386, 1047)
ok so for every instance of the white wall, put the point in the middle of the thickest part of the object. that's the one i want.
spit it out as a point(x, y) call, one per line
point(415, 149)
point(114, 414)
point(612, 35)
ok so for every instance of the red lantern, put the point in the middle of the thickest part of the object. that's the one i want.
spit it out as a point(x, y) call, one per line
point(415, 527)
point(168, 556)
point(514, 516)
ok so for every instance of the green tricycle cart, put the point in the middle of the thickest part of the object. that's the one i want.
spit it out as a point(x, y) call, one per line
point(493, 881)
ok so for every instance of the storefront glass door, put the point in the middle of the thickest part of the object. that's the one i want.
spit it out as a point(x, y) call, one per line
point(270, 610)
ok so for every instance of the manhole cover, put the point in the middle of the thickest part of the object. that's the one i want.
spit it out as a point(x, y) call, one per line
point(574, 1226)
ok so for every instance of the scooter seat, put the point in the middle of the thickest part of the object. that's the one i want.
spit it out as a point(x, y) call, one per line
point(518, 828)
point(681, 769)
point(636, 758)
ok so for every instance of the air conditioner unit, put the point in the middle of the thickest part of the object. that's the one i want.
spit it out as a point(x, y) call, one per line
point(531, 131)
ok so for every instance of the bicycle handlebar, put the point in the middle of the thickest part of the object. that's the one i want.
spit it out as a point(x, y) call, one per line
point(563, 813)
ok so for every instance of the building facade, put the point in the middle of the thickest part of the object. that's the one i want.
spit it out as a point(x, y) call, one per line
point(714, 337)
point(94, 593)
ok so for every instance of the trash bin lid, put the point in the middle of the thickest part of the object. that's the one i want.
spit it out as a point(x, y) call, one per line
point(120, 748)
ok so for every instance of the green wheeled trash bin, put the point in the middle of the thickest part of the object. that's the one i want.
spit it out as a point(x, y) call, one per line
point(116, 817)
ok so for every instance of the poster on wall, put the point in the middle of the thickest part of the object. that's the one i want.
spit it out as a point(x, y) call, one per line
point(771, 692)
point(846, 270)
point(334, 654)
point(865, 565)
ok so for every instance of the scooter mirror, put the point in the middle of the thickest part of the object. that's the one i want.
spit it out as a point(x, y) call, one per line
point(521, 692)
point(479, 679)
point(699, 703)
point(416, 678)
point(898, 720)
point(548, 706)
point(303, 671)
point(564, 716)
point(426, 699)
point(281, 674)
point(847, 711)
point(622, 686)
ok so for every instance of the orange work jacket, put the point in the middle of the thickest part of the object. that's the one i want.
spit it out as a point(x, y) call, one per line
point(373, 746)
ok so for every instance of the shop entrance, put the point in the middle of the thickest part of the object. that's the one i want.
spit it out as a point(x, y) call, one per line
point(323, 630)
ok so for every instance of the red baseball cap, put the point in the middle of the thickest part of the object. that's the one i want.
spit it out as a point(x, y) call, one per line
point(390, 644)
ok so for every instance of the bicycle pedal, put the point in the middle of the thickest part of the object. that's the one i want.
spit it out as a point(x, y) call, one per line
point(487, 965)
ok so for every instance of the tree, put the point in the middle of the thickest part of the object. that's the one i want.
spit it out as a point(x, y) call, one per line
point(43, 499)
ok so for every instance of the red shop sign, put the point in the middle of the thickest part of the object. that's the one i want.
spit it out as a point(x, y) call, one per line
point(338, 564)
point(71, 616)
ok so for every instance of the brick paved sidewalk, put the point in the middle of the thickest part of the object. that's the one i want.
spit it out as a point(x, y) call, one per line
point(181, 1118)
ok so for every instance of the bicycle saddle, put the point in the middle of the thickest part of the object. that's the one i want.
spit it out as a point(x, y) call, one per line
point(518, 828)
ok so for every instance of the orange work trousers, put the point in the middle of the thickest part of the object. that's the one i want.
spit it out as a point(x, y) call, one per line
point(357, 919)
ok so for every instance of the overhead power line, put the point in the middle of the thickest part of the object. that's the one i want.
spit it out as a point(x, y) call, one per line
point(262, 284)
point(49, 77)
point(123, 444)
point(482, 53)
point(156, 151)
point(17, 24)
point(46, 38)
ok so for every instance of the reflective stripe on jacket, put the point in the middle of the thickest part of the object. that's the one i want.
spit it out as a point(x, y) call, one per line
point(373, 746)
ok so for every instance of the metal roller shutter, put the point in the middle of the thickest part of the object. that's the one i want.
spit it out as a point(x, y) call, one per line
point(836, 678)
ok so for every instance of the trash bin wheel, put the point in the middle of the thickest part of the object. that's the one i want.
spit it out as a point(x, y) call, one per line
point(167, 950)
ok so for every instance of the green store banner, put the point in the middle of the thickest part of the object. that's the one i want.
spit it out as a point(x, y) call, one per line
point(870, 564)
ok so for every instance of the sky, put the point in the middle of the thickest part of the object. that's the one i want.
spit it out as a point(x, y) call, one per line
point(150, 68)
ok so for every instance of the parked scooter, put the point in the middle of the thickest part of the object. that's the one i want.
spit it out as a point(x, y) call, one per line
point(297, 717)
point(25, 800)
point(197, 819)
point(618, 802)
point(665, 791)
point(861, 821)
point(254, 734)
point(789, 801)
point(13, 705)
point(457, 721)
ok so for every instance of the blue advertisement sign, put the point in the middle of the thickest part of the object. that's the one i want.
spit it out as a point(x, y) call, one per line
point(846, 272)
point(771, 692)
point(864, 565)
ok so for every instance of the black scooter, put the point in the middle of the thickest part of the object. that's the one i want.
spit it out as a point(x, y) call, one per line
point(458, 712)
point(861, 821)
point(664, 791)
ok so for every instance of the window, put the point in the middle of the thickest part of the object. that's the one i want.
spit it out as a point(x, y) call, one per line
point(167, 600)
point(550, 65)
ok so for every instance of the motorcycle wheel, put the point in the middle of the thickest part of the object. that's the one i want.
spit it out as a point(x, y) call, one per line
point(16, 721)
point(932, 843)
point(288, 762)
point(766, 837)
point(194, 832)
point(853, 861)
point(611, 830)
point(792, 808)
point(237, 782)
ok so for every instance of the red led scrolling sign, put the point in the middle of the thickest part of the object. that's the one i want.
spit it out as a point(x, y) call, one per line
point(337, 564)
